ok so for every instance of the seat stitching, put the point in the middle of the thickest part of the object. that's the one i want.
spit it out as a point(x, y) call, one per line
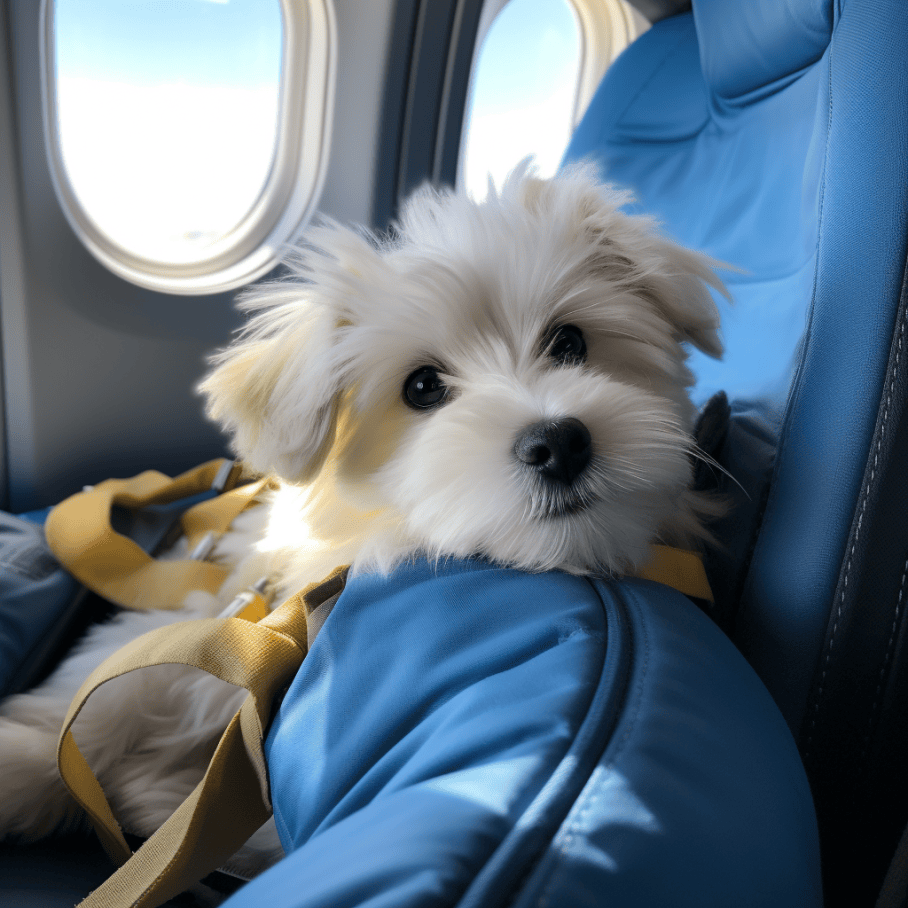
point(896, 615)
point(588, 799)
point(865, 494)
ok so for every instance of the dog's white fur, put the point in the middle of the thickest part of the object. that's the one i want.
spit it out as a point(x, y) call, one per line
point(312, 393)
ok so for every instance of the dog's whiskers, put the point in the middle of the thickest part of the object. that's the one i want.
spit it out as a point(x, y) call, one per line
point(547, 501)
point(697, 453)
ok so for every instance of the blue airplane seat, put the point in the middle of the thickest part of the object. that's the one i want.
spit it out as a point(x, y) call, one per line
point(773, 135)
point(590, 743)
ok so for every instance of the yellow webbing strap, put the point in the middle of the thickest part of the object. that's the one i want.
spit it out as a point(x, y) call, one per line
point(677, 568)
point(232, 801)
point(81, 537)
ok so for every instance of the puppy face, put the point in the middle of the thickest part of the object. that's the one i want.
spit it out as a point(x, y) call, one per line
point(505, 379)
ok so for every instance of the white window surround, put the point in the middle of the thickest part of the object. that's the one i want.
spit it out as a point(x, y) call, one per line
point(290, 192)
point(606, 28)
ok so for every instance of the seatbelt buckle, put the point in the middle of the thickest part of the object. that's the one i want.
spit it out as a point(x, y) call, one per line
point(204, 547)
point(230, 475)
point(251, 605)
point(221, 479)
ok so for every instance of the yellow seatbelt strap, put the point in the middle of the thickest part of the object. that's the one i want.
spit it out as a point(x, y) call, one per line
point(233, 800)
point(80, 535)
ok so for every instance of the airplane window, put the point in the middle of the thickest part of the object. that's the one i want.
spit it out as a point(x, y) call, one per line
point(533, 75)
point(167, 114)
point(524, 90)
point(168, 132)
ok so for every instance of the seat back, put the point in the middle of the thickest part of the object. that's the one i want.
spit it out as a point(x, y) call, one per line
point(773, 135)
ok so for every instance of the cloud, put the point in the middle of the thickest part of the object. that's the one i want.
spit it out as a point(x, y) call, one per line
point(166, 170)
point(496, 143)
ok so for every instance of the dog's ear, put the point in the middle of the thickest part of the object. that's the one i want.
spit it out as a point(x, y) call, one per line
point(276, 388)
point(629, 248)
point(679, 288)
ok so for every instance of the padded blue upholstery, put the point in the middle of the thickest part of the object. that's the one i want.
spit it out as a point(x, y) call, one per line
point(743, 168)
point(773, 134)
point(452, 731)
point(717, 175)
point(749, 53)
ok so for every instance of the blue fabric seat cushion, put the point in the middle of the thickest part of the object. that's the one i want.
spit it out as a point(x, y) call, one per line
point(463, 734)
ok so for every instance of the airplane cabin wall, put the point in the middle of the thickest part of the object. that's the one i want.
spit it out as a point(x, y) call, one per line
point(98, 374)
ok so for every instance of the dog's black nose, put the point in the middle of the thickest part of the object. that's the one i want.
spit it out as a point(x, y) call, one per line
point(559, 449)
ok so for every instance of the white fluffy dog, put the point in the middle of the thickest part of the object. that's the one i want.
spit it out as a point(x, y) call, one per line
point(504, 380)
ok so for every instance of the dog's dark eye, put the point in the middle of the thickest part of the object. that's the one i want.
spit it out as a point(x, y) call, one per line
point(566, 345)
point(423, 389)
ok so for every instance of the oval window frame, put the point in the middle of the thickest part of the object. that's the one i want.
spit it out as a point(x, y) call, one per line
point(291, 190)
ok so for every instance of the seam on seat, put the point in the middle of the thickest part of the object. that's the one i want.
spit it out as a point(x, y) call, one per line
point(672, 50)
point(639, 644)
point(898, 604)
point(749, 279)
point(796, 389)
point(513, 861)
point(887, 657)
point(867, 486)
